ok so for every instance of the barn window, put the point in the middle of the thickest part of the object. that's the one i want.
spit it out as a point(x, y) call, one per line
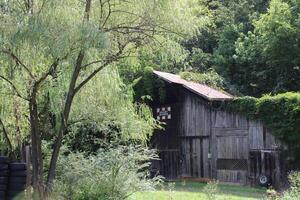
point(232, 164)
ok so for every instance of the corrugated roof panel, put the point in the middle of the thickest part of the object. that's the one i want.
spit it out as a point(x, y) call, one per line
point(200, 89)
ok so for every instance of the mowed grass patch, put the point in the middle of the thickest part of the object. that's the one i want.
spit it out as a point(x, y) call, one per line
point(195, 191)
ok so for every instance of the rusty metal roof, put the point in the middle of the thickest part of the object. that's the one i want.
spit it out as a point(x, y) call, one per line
point(200, 89)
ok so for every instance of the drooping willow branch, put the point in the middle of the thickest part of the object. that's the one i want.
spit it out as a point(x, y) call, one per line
point(13, 87)
point(18, 61)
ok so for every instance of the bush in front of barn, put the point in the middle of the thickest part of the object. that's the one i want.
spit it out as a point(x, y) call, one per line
point(111, 174)
point(293, 193)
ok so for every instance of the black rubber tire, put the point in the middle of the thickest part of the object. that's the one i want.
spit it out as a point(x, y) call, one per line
point(14, 193)
point(17, 166)
point(2, 194)
point(17, 180)
point(264, 180)
point(22, 173)
point(3, 159)
point(17, 186)
point(3, 166)
point(3, 187)
point(14, 197)
point(3, 180)
point(4, 173)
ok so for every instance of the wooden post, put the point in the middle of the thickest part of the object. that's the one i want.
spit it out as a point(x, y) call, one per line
point(277, 181)
point(28, 166)
point(263, 171)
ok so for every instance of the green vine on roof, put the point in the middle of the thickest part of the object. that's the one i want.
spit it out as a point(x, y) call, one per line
point(279, 113)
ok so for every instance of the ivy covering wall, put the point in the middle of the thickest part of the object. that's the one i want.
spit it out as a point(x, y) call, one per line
point(279, 113)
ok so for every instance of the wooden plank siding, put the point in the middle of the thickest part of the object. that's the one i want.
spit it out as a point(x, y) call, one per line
point(202, 135)
point(195, 119)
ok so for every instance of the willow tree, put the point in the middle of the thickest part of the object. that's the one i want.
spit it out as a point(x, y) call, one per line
point(50, 50)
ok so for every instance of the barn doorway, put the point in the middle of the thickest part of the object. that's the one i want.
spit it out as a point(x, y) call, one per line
point(194, 157)
point(262, 162)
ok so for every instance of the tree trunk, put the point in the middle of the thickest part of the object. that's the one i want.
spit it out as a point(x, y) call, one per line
point(64, 120)
point(37, 161)
point(67, 108)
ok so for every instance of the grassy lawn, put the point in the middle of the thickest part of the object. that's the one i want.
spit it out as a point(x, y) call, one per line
point(194, 191)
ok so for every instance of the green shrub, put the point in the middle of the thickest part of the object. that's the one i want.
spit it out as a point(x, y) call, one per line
point(293, 193)
point(112, 174)
point(211, 190)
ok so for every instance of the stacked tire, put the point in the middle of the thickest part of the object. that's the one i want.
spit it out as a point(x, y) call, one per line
point(4, 173)
point(17, 180)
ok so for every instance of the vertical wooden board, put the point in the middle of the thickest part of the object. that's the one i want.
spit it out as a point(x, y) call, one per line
point(232, 147)
point(198, 151)
point(194, 122)
point(205, 147)
point(188, 156)
point(197, 119)
point(206, 121)
point(187, 113)
point(183, 159)
point(255, 135)
point(230, 120)
point(194, 156)
point(271, 142)
point(219, 119)
point(198, 154)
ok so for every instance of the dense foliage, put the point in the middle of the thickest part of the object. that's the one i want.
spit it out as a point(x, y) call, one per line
point(148, 87)
point(280, 113)
point(74, 72)
point(111, 174)
point(51, 52)
point(292, 193)
point(254, 45)
point(117, 117)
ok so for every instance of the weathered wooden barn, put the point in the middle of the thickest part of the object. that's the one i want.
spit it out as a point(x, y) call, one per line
point(202, 141)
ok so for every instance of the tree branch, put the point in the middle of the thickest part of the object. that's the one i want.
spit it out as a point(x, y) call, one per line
point(107, 62)
point(13, 87)
point(6, 135)
point(51, 69)
point(108, 14)
point(18, 61)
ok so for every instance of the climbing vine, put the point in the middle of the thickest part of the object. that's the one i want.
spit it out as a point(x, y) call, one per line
point(279, 113)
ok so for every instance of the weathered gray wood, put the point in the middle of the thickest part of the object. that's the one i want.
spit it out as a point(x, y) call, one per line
point(205, 147)
point(230, 132)
point(271, 142)
point(196, 118)
point(237, 176)
point(198, 129)
point(230, 120)
point(256, 135)
point(232, 147)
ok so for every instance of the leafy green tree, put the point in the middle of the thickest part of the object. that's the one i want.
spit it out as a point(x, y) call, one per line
point(267, 59)
point(54, 48)
point(279, 34)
